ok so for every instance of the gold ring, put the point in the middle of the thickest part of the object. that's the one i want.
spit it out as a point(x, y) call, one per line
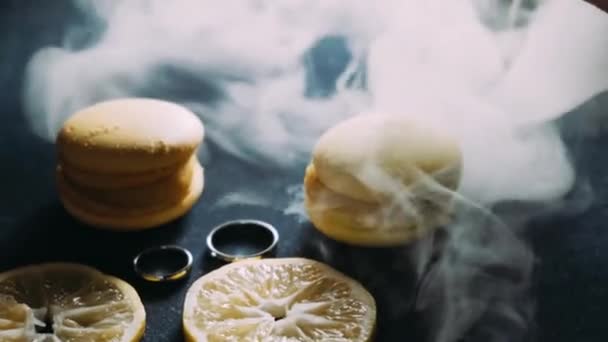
point(163, 263)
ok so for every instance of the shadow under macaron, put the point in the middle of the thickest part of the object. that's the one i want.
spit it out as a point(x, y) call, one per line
point(50, 234)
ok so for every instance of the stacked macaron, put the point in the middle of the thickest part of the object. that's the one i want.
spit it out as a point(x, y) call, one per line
point(130, 163)
point(379, 180)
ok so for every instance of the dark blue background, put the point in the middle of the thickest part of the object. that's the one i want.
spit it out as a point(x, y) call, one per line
point(571, 278)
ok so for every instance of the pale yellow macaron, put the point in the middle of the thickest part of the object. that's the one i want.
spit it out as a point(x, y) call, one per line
point(380, 180)
point(130, 163)
point(127, 136)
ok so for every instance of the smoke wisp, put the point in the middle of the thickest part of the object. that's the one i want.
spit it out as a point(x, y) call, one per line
point(269, 77)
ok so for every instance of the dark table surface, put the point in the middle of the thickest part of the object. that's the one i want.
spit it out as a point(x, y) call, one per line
point(571, 275)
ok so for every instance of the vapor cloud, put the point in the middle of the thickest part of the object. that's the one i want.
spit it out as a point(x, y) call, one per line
point(268, 77)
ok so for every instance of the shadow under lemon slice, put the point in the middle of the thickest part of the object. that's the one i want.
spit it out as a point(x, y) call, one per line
point(68, 302)
point(284, 299)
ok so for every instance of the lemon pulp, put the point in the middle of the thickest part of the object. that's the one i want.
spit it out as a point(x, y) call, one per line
point(68, 303)
point(285, 299)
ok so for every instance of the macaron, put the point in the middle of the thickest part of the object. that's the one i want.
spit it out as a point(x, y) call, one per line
point(127, 136)
point(130, 163)
point(381, 180)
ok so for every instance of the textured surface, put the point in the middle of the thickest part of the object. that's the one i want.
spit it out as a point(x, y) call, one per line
point(80, 304)
point(572, 277)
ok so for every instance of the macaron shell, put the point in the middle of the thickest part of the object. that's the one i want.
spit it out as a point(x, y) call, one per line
point(120, 219)
point(129, 135)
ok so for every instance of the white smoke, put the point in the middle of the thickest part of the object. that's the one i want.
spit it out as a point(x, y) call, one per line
point(247, 64)
point(268, 77)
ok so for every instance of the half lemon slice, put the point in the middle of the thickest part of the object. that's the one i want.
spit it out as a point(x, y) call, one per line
point(288, 299)
point(61, 302)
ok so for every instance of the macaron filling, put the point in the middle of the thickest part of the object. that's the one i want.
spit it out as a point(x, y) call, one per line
point(156, 192)
point(101, 206)
point(128, 218)
point(353, 221)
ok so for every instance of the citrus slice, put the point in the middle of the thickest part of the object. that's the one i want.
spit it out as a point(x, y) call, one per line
point(61, 302)
point(288, 299)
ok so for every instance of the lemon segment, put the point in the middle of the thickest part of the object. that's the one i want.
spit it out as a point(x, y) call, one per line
point(68, 303)
point(288, 299)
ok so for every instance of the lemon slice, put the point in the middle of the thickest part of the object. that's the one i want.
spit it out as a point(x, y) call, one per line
point(61, 302)
point(289, 299)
